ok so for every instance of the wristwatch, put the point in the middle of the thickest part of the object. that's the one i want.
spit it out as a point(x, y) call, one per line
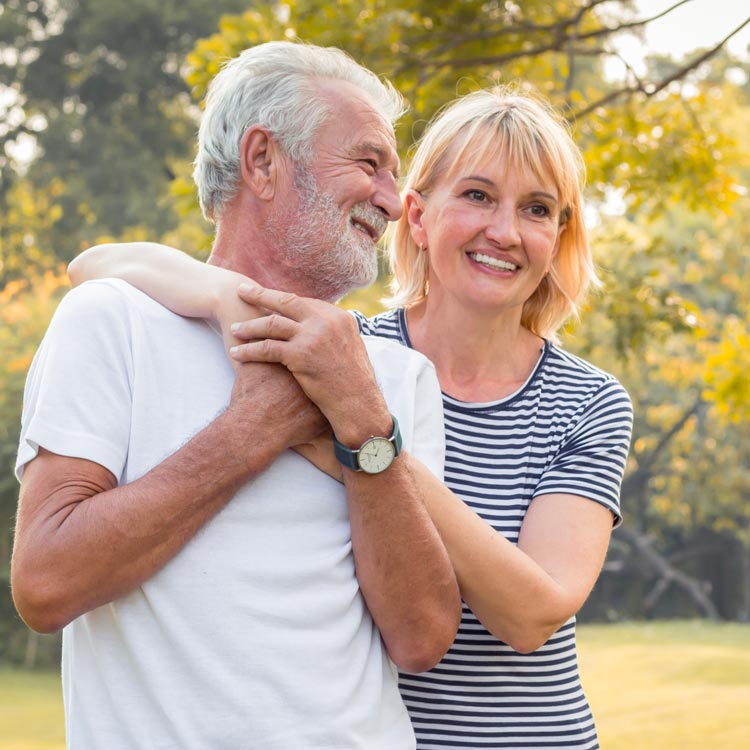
point(375, 455)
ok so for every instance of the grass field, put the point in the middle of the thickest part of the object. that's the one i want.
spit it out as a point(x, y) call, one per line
point(31, 715)
point(668, 686)
point(653, 686)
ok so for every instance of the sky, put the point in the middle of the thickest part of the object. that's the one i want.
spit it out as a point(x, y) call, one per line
point(698, 23)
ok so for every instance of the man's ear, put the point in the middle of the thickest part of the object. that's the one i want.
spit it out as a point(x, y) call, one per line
point(259, 155)
point(414, 209)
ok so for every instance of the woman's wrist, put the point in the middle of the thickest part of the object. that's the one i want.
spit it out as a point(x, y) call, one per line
point(222, 295)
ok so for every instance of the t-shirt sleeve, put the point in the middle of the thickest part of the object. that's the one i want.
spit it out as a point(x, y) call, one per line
point(77, 400)
point(410, 386)
point(591, 461)
point(428, 444)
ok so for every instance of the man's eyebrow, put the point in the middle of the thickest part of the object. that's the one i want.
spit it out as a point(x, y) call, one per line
point(383, 154)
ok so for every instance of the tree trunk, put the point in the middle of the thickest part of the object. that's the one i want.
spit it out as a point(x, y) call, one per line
point(743, 610)
point(667, 574)
point(32, 649)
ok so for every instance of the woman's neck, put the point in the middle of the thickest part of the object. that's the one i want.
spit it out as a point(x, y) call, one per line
point(478, 357)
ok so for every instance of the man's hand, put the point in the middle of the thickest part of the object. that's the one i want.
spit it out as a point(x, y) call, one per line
point(267, 394)
point(320, 345)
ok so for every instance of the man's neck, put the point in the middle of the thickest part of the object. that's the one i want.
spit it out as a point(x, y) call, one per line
point(241, 246)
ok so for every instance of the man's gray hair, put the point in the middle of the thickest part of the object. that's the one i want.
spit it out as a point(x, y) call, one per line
point(272, 85)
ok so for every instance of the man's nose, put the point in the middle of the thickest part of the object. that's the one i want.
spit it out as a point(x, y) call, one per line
point(387, 197)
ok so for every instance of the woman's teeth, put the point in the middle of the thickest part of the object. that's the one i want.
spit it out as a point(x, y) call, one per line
point(486, 260)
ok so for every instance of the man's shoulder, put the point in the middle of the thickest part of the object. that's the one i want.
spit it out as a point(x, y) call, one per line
point(105, 301)
point(116, 291)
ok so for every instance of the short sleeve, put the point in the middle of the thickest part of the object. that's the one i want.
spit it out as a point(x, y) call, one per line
point(364, 324)
point(77, 399)
point(410, 386)
point(591, 461)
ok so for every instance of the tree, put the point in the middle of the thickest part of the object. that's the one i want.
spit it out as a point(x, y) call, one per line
point(25, 309)
point(96, 89)
point(432, 52)
point(675, 310)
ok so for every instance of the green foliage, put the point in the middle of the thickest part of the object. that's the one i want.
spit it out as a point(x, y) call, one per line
point(98, 87)
point(727, 376)
point(435, 52)
point(26, 307)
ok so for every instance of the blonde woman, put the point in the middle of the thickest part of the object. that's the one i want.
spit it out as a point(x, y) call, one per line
point(489, 260)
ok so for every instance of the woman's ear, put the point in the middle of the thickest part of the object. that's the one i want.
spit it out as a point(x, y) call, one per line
point(560, 231)
point(259, 154)
point(414, 207)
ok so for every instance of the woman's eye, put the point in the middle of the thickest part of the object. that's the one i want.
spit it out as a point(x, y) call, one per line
point(539, 210)
point(476, 195)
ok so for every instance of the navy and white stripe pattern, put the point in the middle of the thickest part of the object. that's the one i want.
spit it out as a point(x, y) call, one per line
point(566, 430)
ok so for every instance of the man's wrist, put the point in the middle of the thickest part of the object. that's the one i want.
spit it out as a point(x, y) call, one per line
point(360, 422)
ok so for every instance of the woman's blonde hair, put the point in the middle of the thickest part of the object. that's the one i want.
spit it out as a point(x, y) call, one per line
point(523, 131)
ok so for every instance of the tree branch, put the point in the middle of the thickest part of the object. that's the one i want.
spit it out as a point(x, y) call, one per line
point(559, 31)
point(667, 574)
point(633, 483)
point(650, 90)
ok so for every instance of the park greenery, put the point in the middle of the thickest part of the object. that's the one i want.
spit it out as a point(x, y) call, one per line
point(98, 111)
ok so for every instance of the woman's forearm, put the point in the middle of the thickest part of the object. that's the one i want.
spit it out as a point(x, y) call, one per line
point(174, 279)
point(522, 594)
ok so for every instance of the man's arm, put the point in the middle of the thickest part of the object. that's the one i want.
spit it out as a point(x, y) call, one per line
point(402, 566)
point(80, 540)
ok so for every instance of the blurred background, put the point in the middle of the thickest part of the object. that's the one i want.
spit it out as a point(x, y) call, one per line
point(99, 103)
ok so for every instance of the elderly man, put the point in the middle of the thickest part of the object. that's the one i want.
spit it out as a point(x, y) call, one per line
point(204, 573)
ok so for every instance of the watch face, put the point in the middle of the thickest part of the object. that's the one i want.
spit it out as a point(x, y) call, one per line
point(376, 455)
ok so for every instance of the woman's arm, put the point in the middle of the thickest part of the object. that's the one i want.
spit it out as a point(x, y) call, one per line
point(522, 594)
point(181, 283)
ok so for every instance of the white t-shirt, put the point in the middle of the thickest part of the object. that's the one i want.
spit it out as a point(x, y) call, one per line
point(256, 634)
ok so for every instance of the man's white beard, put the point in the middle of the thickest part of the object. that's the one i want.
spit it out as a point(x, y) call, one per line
point(313, 245)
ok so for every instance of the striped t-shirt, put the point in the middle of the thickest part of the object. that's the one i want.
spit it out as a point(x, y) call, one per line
point(566, 430)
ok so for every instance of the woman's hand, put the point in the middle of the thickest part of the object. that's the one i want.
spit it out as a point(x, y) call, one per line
point(229, 308)
point(319, 453)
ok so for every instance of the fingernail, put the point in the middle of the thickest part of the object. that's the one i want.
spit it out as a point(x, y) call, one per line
point(246, 286)
point(234, 327)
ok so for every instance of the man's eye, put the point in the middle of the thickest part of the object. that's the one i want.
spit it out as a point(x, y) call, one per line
point(372, 163)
